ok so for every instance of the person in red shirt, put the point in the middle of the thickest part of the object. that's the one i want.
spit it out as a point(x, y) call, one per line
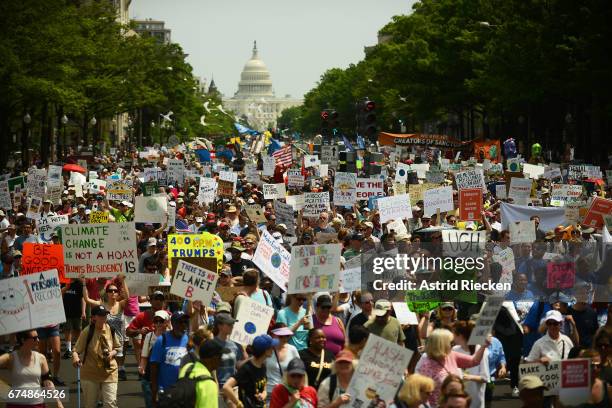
point(143, 322)
point(293, 388)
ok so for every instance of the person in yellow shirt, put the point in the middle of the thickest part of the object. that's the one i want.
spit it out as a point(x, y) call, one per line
point(207, 389)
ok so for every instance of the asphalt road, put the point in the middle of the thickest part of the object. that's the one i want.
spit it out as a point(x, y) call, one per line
point(130, 392)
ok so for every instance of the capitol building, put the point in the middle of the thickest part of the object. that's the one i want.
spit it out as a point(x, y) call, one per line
point(255, 99)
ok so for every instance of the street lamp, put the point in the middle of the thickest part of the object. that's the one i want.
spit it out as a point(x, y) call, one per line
point(25, 135)
point(64, 121)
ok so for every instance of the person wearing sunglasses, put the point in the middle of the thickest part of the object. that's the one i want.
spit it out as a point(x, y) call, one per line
point(293, 391)
point(294, 316)
point(160, 322)
point(27, 368)
point(284, 353)
point(553, 346)
point(331, 325)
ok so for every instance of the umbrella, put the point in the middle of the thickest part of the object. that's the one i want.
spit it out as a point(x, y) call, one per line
point(74, 167)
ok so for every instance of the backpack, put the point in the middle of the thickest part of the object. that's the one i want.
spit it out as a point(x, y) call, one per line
point(183, 393)
point(333, 382)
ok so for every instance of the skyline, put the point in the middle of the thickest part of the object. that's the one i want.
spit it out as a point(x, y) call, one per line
point(209, 31)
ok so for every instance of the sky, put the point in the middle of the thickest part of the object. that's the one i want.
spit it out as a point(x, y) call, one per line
point(298, 41)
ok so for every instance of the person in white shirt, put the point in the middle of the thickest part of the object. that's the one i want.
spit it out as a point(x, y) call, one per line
point(553, 346)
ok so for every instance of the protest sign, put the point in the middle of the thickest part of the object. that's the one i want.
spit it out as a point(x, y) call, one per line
point(311, 160)
point(367, 188)
point(401, 173)
point(330, 155)
point(296, 201)
point(99, 250)
point(119, 190)
point(203, 245)
point(54, 194)
point(550, 375)
point(295, 179)
point(255, 213)
point(54, 176)
point(314, 268)
point(470, 179)
point(522, 231)
point(31, 301)
point(575, 387)
point(139, 283)
point(225, 188)
point(325, 237)
point(505, 258)
point(560, 275)
point(350, 280)
point(486, 319)
point(404, 315)
point(47, 225)
point(151, 209)
point(552, 173)
point(379, 373)
point(149, 188)
point(434, 176)
point(599, 207)
point(253, 319)
point(463, 243)
point(34, 208)
point(98, 217)
point(207, 191)
point(315, 203)
point(193, 283)
point(228, 293)
point(398, 227)
point(5, 196)
point(37, 182)
point(96, 186)
point(394, 207)
point(210, 264)
point(533, 171)
point(269, 163)
point(284, 215)
point(252, 174)
point(176, 171)
point(345, 189)
point(150, 174)
point(274, 191)
point(572, 212)
point(440, 198)
point(42, 257)
point(273, 260)
point(470, 204)
point(15, 182)
point(520, 190)
point(562, 193)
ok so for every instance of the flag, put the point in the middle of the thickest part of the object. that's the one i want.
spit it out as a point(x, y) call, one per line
point(361, 142)
point(273, 146)
point(283, 156)
point(181, 225)
point(348, 144)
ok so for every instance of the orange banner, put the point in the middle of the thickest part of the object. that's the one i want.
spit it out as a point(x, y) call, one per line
point(43, 257)
point(442, 141)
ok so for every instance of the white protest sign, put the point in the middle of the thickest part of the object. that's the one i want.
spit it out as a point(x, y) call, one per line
point(463, 243)
point(176, 171)
point(295, 179)
point(315, 203)
point(394, 207)
point(48, 224)
point(403, 314)
point(5, 196)
point(562, 193)
point(435, 177)
point(533, 171)
point(572, 211)
point(193, 282)
point(330, 155)
point(438, 198)
point(252, 174)
point(311, 160)
point(421, 169)
point(31, 301)
point(314, 268)
point(96, 186)
point(550, 375)
point(273, 260)
point(295, 201)
point(34, 208)
point(269, 163)
point(151, 209)
point(77, 179)
point(522, 231)
point(253, 319)
point(500, 191)
point(470, 179)
point(119, 190)
point(207, 191)
point(367, 188)
point(139, 283)
point(398, 227)
point(345, 189)
point(505, 258)
point(401, 172)
point(228, 176)
point(37, 182)
point(350, 280)
point(54, 176)
point(284, 215)
point(552, 173)
point(485, 321)
point(274, 191)
point(99, 250)
point(520, 190)
point(379, 373)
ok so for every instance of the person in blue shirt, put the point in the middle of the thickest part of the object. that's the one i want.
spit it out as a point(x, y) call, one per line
point(167, 353)
point(294, 316)
point(497, 365)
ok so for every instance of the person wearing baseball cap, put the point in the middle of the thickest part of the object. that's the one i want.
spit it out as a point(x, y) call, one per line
point(531, 391)
point(553, 346)
point(385, 325)
point(251, 376)
point(207, 391)
point(294, 388)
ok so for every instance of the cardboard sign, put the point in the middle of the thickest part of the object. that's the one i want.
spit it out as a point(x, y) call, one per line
point(417, 191)
point(210, 264)
point(345, 189)
point(273, 260)
point(228, 293)
point(119, 190)
point(575, 381)
point(255, 213)
point(325, 237)
point(47, 225)
point(379, 373)
point(440, 198)
point(470, 204)
point(549, 374)
point(99, 250)
point(315, 203)
point(522, 231)
point(253, 319)
point(485, 321)
point(314, 268)
point(599, 207)
point(43, 257)
point(295, 179)
point(520, 190)
point(31, 301)
point(460, 243)
point(37, 182)
point(204, 245)
point(5, 196)
point(194, 283)
point(225, 188)
point(207, 191)
point(470, 179)
point(394, 207)
point(560, 275)
point(151, 209)
point(98, 217)
point(274, 191)
point(284, 215)
point(367, 188)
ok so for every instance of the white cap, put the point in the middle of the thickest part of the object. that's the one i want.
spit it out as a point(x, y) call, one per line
point(163, 314)
point(553, 315)
point(277, 236)
point(127, 204)
point(151, 242)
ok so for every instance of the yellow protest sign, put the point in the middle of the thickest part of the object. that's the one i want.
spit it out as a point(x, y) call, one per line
point(204, 245)
point(98, 217)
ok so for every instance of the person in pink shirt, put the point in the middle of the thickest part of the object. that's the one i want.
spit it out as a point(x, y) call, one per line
point(440, 361)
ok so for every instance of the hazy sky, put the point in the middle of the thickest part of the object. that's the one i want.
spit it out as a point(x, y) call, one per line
point(298, 41)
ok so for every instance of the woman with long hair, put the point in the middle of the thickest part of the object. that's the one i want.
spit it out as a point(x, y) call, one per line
point(28, 369)
point(294, 388)
point(476, 378)
point(415, 392)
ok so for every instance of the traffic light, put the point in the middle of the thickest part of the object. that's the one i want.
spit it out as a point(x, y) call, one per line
point(329, 123)
point(367, 120)
point(325, 123)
